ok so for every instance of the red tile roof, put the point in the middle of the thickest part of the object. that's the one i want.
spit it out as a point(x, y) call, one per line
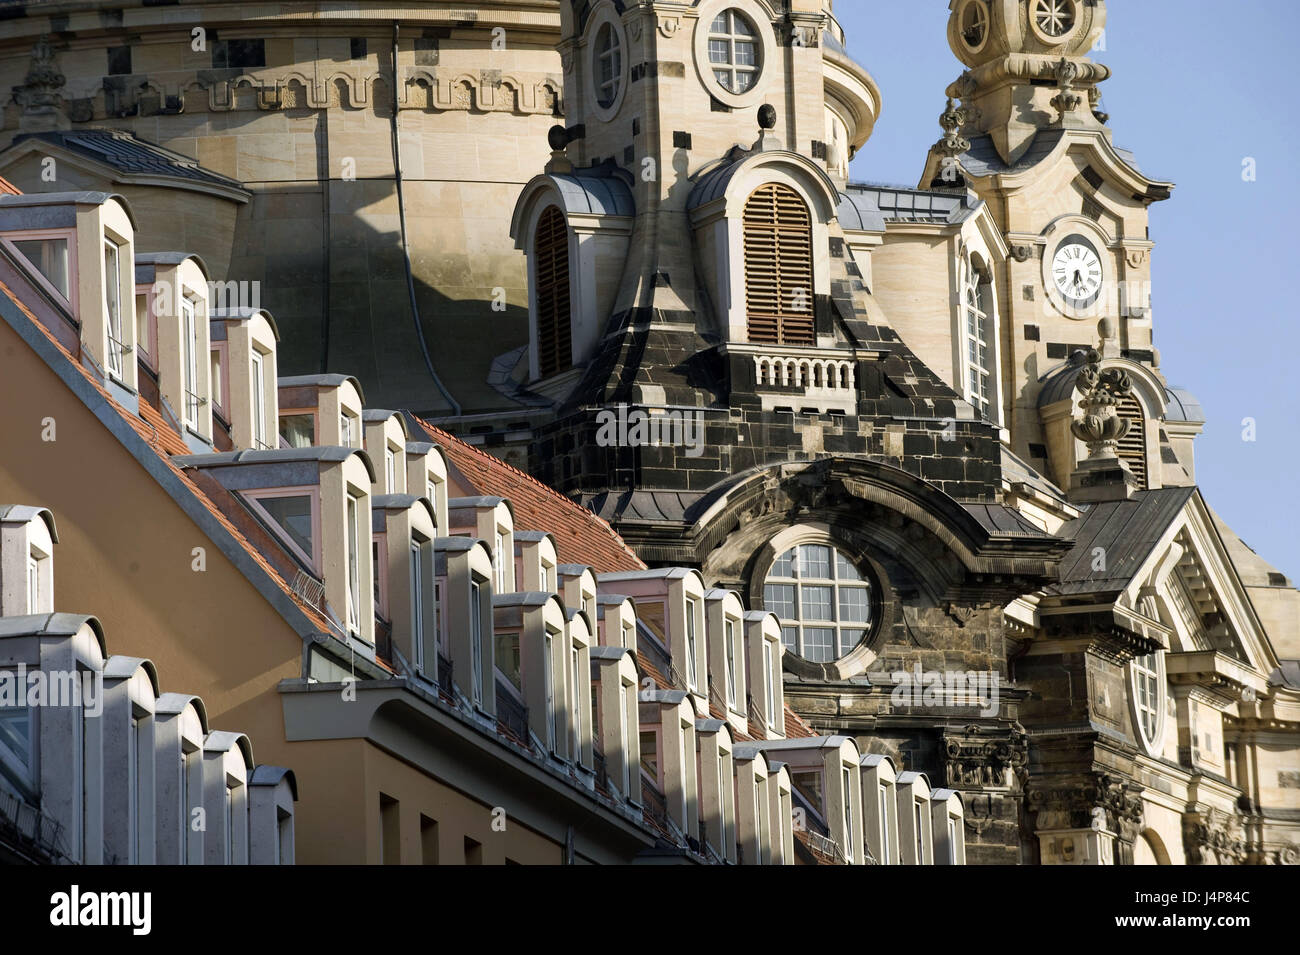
point(580, 536)
point(165, 441)
point(8, 188)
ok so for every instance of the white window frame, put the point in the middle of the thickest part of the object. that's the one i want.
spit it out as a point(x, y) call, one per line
point(476, 641)
point(115, 356)
point(33, 584)
point(846, 779)
point(354, 538)
point(979, 353)
point(259, 400)
point(189, 332)
point(37, 235)
point(548, 684)
point(499, 560)
point(1147, 680)
point(690, 642)
point(575, 702)
point(886, 795)
point(729, 628)
point(417, 606)
point(310, 491)
point(390, 471)
point(769, 663)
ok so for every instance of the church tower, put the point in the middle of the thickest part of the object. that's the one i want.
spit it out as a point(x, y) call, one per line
point(1023, 130)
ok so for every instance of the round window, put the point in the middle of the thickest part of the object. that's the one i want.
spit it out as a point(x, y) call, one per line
point(975, 24)
point(1053, 19)
point(607, 66)
point(735, 53)
point(824, 602)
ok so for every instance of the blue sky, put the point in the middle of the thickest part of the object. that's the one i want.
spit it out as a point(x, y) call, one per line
point(1197, 87)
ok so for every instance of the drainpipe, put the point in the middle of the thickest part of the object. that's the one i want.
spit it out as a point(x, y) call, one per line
point(406, 250)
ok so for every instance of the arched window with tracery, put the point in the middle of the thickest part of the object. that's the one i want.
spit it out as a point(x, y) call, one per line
point(779, 267)
point(551, 283)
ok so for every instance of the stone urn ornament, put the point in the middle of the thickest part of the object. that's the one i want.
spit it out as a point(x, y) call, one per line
point(1101, 427)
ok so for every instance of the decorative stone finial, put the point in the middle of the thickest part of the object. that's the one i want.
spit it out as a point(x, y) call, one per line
point(40, 95)
point(1101, 428)
point(767, 137)
point(1066, 101)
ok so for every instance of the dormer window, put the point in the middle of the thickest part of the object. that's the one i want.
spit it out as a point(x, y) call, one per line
point(731, 650)
point(779, 267)
point(298, 429)
point(296, 512)
point(113, 308)
point(551, 278)
point(349, 430)
point(49, 256)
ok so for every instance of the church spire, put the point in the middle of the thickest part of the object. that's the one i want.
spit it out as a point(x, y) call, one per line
point(1027, 67)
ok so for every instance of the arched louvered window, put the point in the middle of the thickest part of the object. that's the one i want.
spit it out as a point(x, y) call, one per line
point(551, 282)
point(1133, 446)
point(779, 267)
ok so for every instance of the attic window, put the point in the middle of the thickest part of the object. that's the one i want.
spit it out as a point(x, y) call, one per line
point(551, 278)
point(49, 256)
point(779, 267)
point(295, 514)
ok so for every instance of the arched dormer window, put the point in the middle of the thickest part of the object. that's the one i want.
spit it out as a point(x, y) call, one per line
point(551, 275)
point(779, 267)
point(1133, 446)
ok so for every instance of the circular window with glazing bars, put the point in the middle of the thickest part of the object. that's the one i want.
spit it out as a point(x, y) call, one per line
point(608, 65)
point(825, 602)
point(735, 52)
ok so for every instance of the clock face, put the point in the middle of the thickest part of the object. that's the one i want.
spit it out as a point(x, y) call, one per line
point(1077, 272)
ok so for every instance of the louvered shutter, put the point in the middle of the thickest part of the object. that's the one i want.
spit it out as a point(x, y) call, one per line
point(551, 281)
point(779, 267)
point(1133, 446)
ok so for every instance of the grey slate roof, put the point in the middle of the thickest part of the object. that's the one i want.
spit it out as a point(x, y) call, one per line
point(858, 211)
point(1017, 471)
point(320, 381)
point(592, 192)
point(128, 153)
point(1127, 530)
point(982, 159)
point(1004, 521)
point(901, 204)
point(1183, 406)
